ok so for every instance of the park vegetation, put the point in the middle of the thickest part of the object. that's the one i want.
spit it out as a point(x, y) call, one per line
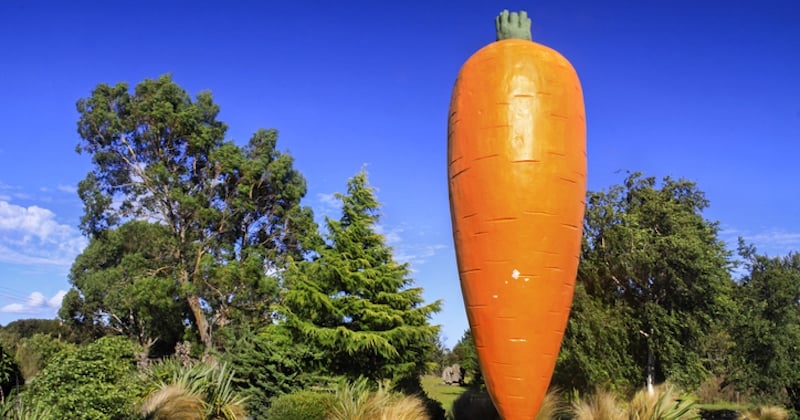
point(208, 291)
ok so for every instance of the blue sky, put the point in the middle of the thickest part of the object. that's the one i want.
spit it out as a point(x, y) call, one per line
point(705, 90)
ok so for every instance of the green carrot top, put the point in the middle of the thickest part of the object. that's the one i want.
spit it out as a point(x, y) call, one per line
point(513, 25)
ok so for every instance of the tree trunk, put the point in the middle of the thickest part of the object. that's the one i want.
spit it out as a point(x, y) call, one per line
point(650, 364)
point(200, 320)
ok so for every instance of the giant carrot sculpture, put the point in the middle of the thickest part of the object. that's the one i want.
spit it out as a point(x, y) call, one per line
point(517, 172)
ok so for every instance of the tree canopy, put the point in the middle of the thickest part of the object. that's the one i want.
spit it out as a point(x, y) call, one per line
point(653, 282)
point(767, 328)
point(231, 215)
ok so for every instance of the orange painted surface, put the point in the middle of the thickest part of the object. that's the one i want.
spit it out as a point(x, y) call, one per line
point(517, 175)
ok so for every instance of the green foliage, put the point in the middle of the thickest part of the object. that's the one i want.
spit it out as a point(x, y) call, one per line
point(124, 282)
point(301, 405)
point(10, 375)
point(767, 330)
point(354, 303)
point(228, 212)
point(595, 347)
point(268, 364)
point(653, 284)
point(35, 352)
point(20, 329)
point(14, 409)
point(95, 381)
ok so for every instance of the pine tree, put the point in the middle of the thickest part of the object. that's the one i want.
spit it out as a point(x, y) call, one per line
point(355, 304)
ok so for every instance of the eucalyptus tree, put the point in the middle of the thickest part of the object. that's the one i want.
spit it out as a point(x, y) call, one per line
point(232, 213)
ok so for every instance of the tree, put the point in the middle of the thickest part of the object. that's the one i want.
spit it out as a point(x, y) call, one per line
point(232, 213)
point(126, 283)
point(654, 271)
point(767, 330)
point(596, 350)
point(355, 304)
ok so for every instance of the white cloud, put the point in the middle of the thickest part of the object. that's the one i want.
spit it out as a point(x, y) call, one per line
point(773, 242)
point(417, 254)
point(55, 301)
point(776, 238)
point(69, 189)
point(32, 235)
point(36, 303)
point(328, 202)
point(413, 251)
point(391, 235)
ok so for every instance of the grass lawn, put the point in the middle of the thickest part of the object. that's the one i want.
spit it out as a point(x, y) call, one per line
point(439, 391)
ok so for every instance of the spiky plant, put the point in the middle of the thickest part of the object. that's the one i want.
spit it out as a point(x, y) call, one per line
point(354, 400)
point(173, 401)
point(404, 407)
point(359, 400)
point(16, 410)
point(765, 413)
point(179, 391)
point(552, 406)
point(602, 405)
point(665, 403)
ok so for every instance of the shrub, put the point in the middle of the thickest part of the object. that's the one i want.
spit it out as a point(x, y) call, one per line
point(404, 408)
point(765, 413)
point(178, 389)
point(664, 404)
point(95, 381)
point(358, 400)
point(600, 405)
point(301, 405)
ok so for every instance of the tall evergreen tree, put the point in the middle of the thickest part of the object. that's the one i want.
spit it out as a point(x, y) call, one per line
point(355, 304)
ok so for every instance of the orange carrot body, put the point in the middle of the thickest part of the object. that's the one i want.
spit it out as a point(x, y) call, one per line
point(517, 182)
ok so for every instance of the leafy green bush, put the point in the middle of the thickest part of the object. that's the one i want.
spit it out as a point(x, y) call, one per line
point(301, 405)
point(34, 352)
point(95, 381)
